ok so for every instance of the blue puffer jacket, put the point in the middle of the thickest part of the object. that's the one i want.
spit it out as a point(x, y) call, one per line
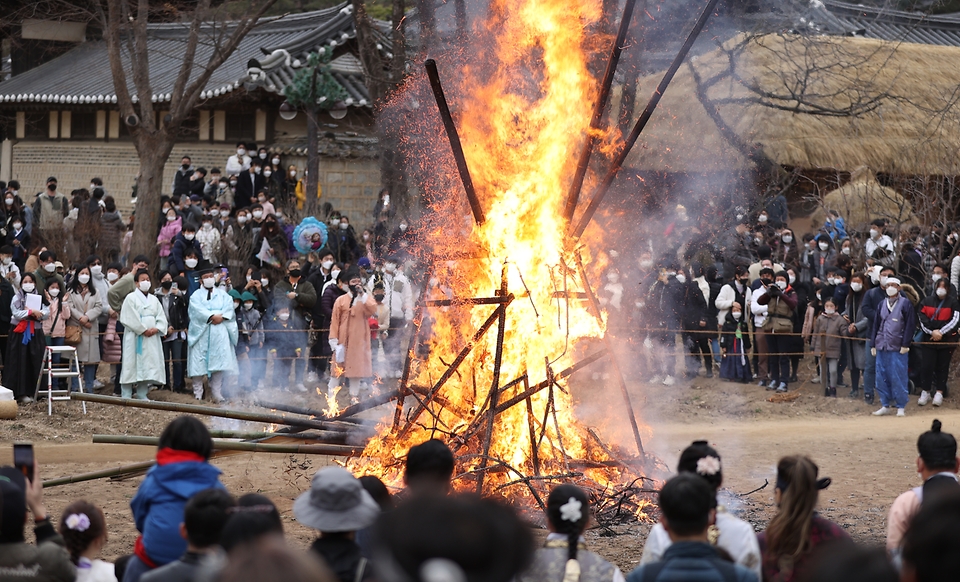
point(158, 505)
point(691, 562)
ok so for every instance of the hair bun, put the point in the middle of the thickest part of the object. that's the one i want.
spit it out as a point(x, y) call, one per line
point(937, 425)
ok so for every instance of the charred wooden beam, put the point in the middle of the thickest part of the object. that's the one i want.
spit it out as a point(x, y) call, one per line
point(507, 404)
point(431, 66)
point(495, 382)
point(467, 301)
point(631, 140)
point(222, 445)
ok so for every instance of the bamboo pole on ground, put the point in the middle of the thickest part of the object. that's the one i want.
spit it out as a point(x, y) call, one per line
point(225, 445)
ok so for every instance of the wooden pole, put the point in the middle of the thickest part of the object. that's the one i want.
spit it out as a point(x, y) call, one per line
point(495, 382)
point(507, 404)
point(223, 445)
point(210, 411)
point(137, 467)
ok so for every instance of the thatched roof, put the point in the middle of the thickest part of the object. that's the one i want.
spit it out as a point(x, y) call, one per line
point(766, 90)
point(862, 200)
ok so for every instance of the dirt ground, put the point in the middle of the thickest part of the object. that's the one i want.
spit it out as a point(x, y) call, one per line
point(871, 460)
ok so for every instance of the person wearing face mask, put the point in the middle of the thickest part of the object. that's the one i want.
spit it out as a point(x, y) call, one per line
point(890, 338)
point(350, 334)
point(112, 230)
point(264, 201)
point(47, 271)
point(54, 326)
point(49, 210)
point(402, 239)
point(144, 323)
point(871, 303)
point(249, 182)
point(19, 240)
point(250, 330)
point(939, 316)
point(187, 239)
point(735, 345)
point(239, 162)
point(663, 305)
point(27, 343)
point(270, 245)
point(736, 291)
point(298, 296)
point(212, 337)
point(399, 302)
point(168, 233)
point(822, 259)
point(9, 271)
point(174, 337)
point(693, 319)
point(834, 225)
point(323, 278)
point(855, 330)
point(781, 302)
point(879, 246)
point(785, 250)
point(182, 177)
point(86, 306)
point(342, 240)
point(209, 239)
point(827, 342)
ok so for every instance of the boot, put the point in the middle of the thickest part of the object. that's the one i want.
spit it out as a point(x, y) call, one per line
point(832, 392)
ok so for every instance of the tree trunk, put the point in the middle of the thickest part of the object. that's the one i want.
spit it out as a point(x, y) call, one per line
point(428, 25)
point(313, 164)
point(461, 11)
point(153, 153)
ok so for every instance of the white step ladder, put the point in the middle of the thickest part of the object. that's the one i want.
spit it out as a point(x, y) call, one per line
point(48, 369)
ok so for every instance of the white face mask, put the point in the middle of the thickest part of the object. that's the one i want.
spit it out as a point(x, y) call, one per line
point(681, 278)
point(267, 173)
point(17, 226)
point(242, 218)
point(7, 261)
point(257, 213)
point(936, 277)
point(28, 287)
point(112, 276)
point(883, 280)
point(874, 233)
point(403, 227)
point(209, 282)
point(344, 225)
point(334, 275)
point(191, 263)
point(263, 155)
point(736, 314)
point(941, 292)
point(248, 306)
point(50, 267)
point(762, 218)
point(787, 238)
point(189, 235)
point(856, 287)
point(265, 282)
point(236, 305)
point(326, 264)
point(891, 291)
point(275, 161)
point(782, 284)
point(845, 250)
point(54, 292)
point(366, 237)
point(283, 316)
point(144, 286)
point(84, 279)
point(823, 246)
point(829, 310)
point(793, 279)
point(335, 221)
point(96, 269)
point(9, 201)
point(293, 173)
point(831, 281)
point(171, 217)
point(390, 268)
point(207, 226)
point(241, 151)
point(224, 213)
point(93, 187)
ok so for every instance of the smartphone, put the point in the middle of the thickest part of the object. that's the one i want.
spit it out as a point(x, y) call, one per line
point(23, 459)
point(174, 286)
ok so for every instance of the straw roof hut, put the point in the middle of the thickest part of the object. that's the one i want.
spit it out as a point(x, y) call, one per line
point(862, 200)
point(822, 102)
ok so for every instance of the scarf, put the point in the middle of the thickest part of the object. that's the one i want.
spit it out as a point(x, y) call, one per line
point(26, 328)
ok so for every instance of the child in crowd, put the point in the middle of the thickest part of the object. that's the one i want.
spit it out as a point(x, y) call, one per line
point(250, 342)
point(182, 470)
point(735, 346)
point(564, 555)
point(84, 532)
point(828, 342)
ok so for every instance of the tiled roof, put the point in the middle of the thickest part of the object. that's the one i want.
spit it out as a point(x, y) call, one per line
point(82, 75)
point(339, 145)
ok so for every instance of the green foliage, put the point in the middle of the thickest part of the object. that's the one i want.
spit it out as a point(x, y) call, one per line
point(324, 94)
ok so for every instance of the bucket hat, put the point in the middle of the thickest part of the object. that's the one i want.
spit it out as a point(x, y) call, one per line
point(336, 502)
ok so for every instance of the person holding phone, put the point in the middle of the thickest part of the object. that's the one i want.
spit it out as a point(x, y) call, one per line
point(19, 493)
point(350, 333)
point(27, 342)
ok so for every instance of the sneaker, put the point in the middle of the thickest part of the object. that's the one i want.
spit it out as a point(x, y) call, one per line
point(669, 381)
point(782, 388)
point(773, 384)
point(854, 393)
point(938, 399)
point(26, 400)
point(868, 399)
point(901, 412)
point(924, 398)
point(815, 379)
point(300, 387)
point(883, 411)
point(97, 384)
point(762, 383)
point(312, 378)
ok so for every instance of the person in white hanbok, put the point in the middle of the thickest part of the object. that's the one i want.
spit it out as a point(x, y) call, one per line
point(142, 318)
point(212, 336)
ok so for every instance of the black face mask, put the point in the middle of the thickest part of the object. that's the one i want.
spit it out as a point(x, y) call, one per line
point(185, 166)
point(166, 285)
point(379, 298)
point(52, 187)
point(766, 281)
point(294, 273)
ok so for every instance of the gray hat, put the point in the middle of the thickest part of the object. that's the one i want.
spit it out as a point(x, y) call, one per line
point(336, 502)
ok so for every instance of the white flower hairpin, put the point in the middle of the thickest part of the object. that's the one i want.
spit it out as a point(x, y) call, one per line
point(78, 522)
point(570, 511)
point(708, 466)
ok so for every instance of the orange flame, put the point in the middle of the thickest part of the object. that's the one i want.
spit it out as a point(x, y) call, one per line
point(522, 122)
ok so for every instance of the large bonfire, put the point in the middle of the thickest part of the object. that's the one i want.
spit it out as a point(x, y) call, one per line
point(522, 110)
